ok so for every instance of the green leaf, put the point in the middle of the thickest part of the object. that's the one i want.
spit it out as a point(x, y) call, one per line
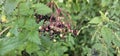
point(107, 35)
point(33, 36)
point(71, 39)
point(8, 44)
point(41, 53)
point(57, 49)
point(24, 9)
point(46, 43)
point(42, 9)
point(98, 47)
point(14, 31)
point(86, 50)
point(116, 42)
point(104, 17)
point(96, 20)
point(105, 2)
point(32, 47)
point(76, 7)
point(10, 5)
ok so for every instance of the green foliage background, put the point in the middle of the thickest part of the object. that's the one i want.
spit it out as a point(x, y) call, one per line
point(97, 20)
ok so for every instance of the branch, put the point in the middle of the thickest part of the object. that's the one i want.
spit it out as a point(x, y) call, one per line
point(4, 30)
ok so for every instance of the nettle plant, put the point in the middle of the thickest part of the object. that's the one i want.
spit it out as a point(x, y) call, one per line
point(30, 28)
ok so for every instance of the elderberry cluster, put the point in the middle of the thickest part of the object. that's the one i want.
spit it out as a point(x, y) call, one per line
point(54, 24)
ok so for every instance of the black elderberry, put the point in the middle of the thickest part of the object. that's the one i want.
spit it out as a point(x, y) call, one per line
point(60, 26)
point(38, 17)
point(45, 17)
point(41, 17)
point(53, 19)
point(48, 27)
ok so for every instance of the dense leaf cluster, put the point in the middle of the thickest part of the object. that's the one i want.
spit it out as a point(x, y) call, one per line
point(97, 21)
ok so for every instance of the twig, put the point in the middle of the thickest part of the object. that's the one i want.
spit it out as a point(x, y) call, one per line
point(4, 30)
